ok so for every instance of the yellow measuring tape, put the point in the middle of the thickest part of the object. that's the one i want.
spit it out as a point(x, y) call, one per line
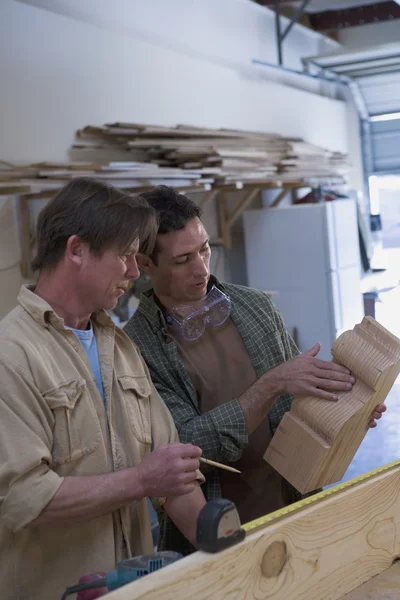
point(296, 506)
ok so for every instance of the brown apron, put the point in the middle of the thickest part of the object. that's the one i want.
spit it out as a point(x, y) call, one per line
point(220, 369)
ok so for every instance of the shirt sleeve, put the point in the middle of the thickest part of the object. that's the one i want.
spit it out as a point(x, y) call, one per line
point(221, 433)
point(27, 484)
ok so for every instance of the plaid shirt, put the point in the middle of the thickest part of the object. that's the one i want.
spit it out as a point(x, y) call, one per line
point(220, 432)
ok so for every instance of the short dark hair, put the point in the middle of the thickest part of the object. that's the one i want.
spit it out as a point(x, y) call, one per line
point(101, 215)
point(173, 209)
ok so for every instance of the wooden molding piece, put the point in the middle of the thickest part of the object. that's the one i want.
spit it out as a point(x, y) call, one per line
point(322, 549)
point(316, 441)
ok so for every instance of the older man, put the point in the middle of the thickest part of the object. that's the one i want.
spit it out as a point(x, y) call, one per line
point(222, 360)
point(85, 437)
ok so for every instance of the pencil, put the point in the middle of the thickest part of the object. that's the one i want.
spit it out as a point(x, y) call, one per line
point(212, 463)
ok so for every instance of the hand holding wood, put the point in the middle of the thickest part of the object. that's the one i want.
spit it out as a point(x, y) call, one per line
point(316, 441)
point(306, 374)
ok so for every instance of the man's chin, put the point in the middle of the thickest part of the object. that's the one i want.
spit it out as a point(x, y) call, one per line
point(111, 304)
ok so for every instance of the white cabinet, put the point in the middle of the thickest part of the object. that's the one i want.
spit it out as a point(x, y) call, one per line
point(310, 255)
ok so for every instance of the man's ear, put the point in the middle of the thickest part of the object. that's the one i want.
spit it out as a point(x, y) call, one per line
point(145, 263)
point(76, 249)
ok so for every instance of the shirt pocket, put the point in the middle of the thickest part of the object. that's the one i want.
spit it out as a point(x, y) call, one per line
point(136, 393)
point(76, 430)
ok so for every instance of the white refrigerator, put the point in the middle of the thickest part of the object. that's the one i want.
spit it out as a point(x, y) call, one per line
point(310, 255)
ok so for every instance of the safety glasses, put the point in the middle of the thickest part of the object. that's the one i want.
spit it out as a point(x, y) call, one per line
point(191, 321)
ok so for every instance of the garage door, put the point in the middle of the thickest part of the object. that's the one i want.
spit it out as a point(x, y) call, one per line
point(376, 72)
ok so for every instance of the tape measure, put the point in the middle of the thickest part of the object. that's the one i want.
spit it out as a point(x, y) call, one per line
point(309, 500)
point(218, 526)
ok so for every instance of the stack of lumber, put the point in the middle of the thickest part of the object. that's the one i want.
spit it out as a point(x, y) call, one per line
point(226, 155)
point(229, 156)
point(39, 177)
point(182, 157)
point(307, 161)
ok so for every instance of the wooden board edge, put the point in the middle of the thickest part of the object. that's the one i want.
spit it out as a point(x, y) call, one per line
point(330, 546)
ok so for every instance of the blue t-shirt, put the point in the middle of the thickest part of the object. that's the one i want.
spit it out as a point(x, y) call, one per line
point(88, 340)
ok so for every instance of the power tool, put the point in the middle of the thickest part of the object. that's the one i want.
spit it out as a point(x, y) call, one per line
point(126, 571)
point(218, 527)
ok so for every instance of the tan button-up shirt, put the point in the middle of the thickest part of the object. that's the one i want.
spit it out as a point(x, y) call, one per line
point(54, 424)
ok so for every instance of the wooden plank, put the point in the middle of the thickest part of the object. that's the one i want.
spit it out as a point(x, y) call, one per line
point(339, 540)
point(10, 189)
point(223, 221)
point(280, 196)
point(40, 195)
point(288, 187)
point(247, 200)
point(6, 164)
point(208, 198)
point(385, 586)
point(317, 439)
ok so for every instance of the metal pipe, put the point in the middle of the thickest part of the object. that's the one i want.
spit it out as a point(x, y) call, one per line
point(295, 18)
point(367, 157)
point(303, 73)
point(278, 31)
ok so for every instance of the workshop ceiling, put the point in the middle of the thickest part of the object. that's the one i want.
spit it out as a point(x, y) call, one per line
point(333, 15)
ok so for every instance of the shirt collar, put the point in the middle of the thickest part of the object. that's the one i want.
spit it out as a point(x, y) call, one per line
point(44, 314)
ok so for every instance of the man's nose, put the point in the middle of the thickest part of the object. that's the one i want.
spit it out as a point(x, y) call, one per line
point(132, 269)
point(201, 267)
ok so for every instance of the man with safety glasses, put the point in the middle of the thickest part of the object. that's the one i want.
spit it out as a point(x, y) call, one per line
point(223, 362)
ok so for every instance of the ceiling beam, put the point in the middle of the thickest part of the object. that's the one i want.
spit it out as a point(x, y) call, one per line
point(351, 17)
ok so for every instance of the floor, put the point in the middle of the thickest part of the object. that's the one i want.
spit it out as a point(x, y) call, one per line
point(382, 444)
